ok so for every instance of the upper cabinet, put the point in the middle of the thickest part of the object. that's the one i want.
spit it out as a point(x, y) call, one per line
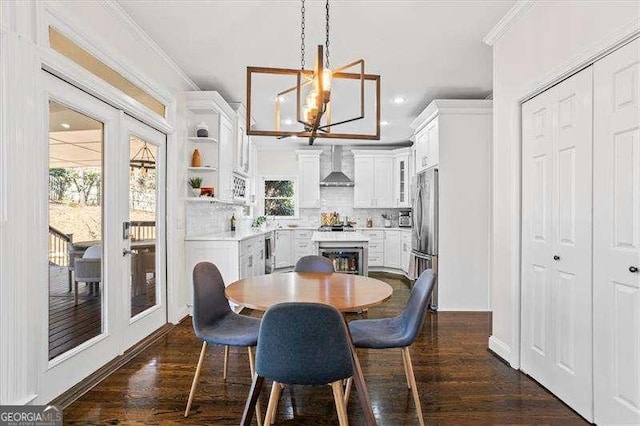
point(309, 178)
point(401, 173)
point(242, 147)
point(426, 146)
point(373, 185)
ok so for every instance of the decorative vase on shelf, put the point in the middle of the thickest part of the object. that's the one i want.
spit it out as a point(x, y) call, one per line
point(196, 192)
point(196, 161)
point(202, 130)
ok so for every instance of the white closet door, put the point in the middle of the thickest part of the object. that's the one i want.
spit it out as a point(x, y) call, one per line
point(556, 240)
point(617, 237)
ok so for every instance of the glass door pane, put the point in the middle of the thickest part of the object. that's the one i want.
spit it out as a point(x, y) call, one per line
point(75, 228)
point(143, 196)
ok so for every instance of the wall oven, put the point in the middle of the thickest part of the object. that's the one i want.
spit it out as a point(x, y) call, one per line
point(346, 258)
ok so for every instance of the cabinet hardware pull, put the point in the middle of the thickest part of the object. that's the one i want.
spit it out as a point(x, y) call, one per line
point(126, 252)
point(556, 257)
point(633, 269)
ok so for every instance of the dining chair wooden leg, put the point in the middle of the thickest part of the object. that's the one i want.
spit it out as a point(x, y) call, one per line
point(75, 290)
point(252, 368)
point(414, 388)
point(252, 400)
point(273, 404)
point(338, 397)
point(196, 377)
point(226, 362)
point(406, 370)
point(347, 391)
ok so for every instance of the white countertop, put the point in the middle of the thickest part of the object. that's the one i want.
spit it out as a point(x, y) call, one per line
point(229, 236)
point(350, 236)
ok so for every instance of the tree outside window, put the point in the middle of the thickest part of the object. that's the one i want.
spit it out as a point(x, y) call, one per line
point(279, 198)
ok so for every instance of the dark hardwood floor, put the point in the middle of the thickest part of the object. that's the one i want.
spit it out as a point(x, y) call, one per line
point(71, 325)
point(459, 382)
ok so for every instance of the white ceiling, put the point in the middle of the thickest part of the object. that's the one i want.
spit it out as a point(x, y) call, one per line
point(423, 50)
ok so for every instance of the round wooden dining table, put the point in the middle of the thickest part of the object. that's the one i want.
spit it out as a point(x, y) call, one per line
point(345, 292)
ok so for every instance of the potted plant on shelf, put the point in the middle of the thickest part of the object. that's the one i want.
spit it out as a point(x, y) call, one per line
point(195, 183)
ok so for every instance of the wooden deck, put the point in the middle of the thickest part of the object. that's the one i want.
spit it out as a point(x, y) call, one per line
point(70, 325)
point(459, 382)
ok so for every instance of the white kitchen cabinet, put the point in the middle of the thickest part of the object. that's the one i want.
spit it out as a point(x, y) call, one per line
point(241, 149)
point(283, 248)
point(392, 249)
point(376, 247)
point(401, 183)
point(373, 176)
point(363, 178)
point(405, 243)
point(302, 244)
point(427, 145)
point(309, 178)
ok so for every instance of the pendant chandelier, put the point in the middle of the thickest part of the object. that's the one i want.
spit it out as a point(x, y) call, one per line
point(312, 91)
point(143, 160)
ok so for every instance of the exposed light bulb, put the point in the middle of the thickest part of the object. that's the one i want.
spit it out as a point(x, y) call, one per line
point(399, 100)
point(384, 123)
point(288, 122)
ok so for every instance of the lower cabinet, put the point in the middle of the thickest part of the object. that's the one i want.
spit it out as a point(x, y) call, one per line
point(234, 259)
point(405, 243)
point(283, 248)
point(376, 247)
point(392, 251)
point(302, 245)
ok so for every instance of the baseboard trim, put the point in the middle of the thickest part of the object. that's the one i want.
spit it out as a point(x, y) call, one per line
point(500, 349)
point(76, 392)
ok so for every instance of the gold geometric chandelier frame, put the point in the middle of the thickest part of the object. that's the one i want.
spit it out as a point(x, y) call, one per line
point(315, 128)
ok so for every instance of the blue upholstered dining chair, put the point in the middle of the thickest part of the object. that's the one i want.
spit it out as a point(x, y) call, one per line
point(301, 344)
point(400, 331)
point(314, 264)
point(215, 323)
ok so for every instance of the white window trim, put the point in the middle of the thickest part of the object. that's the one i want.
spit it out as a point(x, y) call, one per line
point(294, 179)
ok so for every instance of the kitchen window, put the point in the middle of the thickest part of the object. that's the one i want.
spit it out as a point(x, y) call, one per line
point(280, 197)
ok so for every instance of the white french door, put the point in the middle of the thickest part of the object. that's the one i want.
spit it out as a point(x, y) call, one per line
point(143, 231)
point(556, 240)
point(617, 237)
point(107, 281)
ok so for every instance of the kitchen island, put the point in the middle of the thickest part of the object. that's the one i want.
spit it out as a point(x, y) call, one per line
point(347, 250)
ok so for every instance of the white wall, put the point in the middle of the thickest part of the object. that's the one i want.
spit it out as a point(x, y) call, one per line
point(545, 42)
point(23, 146)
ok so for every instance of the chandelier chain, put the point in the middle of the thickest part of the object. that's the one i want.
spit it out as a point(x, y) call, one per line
point(302, 35)
point(327, 65)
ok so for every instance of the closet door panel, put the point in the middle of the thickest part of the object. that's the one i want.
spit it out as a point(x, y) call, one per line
point(556, 235)
point(617, 237)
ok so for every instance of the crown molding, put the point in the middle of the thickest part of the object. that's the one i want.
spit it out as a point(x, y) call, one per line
point(141, 34)
point(511, 17)
point(451, 106)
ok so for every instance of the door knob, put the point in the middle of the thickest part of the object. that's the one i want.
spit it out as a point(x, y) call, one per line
point(125, 252)
point(633, 269)
point(556, 257)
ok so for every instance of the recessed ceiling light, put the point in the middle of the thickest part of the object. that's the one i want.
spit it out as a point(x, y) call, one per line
point(65, 125)
point(384, 123)
point(399, 100)
point(288, 122)
point(294, 137)
point(279, 98)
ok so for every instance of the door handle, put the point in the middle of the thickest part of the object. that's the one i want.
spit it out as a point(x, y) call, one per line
point(633, 269)
point(126, 252)
point(556, 257)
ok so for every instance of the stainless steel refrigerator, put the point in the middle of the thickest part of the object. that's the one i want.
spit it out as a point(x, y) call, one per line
point(425, 226)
